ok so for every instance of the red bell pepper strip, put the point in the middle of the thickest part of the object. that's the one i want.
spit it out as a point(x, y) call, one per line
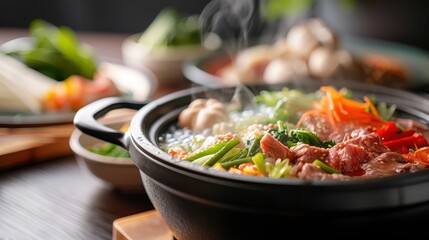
point(416, 140)
point(388, 131)
point(405, 133)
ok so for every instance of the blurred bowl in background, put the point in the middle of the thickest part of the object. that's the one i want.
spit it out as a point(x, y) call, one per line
point(24, 87)
point(384, 63)
point(165, 62)
point(119, 173)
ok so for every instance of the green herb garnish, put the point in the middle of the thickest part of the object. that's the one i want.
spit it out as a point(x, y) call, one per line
point(109, 149)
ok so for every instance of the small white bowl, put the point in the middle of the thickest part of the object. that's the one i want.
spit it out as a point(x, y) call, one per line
point(166, 63)
point(117, 173)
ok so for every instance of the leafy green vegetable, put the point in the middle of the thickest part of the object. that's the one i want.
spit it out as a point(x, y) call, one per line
point(295, 136)
point(287, 104)
point(280, 133)
point(56, 52)
point(386, 112)
point(170, 28)
point(305, 136)
point(109, 149)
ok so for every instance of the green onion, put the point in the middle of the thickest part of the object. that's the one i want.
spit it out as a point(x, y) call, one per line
point(218, 155)
point(211, 150)
point(280, 169)
point(244, 153)
point(233, 154)
point(235, 162)
point(254, 146)
point(324, 166)
point(259, 161)
point(202, 160)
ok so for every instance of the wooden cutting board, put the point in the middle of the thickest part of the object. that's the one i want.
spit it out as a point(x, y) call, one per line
point(20, 146)
point(142, 226)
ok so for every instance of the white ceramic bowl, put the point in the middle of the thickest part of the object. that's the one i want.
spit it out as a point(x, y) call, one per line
point(165, 63)
point(117, 173)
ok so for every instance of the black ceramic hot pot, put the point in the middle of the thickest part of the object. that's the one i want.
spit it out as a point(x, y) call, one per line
point(201, 203)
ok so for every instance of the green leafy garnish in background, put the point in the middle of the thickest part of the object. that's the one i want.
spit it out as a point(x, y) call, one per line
point(109, 149)
point(272, 10)
point(56, 52)
point(170, 28)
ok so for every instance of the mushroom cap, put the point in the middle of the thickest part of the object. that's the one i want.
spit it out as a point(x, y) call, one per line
point(284, 70)
point(306, 36)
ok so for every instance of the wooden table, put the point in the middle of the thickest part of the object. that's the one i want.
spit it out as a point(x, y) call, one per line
point(54, 199)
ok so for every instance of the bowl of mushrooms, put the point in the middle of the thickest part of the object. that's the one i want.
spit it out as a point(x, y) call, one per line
point(310, 49)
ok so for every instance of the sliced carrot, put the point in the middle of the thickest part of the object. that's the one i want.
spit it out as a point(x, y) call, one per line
point(338, 108)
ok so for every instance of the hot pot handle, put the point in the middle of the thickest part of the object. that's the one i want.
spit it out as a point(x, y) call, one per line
point(86, 118)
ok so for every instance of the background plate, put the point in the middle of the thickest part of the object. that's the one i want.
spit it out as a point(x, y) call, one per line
point(138, 87)
point(201, 70)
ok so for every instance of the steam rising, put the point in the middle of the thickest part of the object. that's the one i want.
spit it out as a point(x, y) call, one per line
point(230, 20)
point(234, 22)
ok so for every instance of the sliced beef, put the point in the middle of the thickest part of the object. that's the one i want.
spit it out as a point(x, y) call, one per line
point(296, 169)
point(341, 132)
point(275, 149)
point(389, 163)
point(347, 156)
point(310, 171)
point(307, 154)
point(319, 125)
point(356, 133)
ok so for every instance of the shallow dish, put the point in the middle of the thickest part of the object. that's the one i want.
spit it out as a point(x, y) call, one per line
point(116, 172)
point(132, 83)
point(199, 202)
point(203, 70)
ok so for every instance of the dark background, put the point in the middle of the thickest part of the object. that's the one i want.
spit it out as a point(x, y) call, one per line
point(399, 21)
point(121, 16)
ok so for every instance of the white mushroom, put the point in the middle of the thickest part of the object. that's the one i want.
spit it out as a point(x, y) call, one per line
point(333, 63)
point(308, 35)
point(202, 114)
point(323, 62)
point(254, 56)
point(323, 33)
point(284, 70)
point(248, 64)
point(233, 75)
